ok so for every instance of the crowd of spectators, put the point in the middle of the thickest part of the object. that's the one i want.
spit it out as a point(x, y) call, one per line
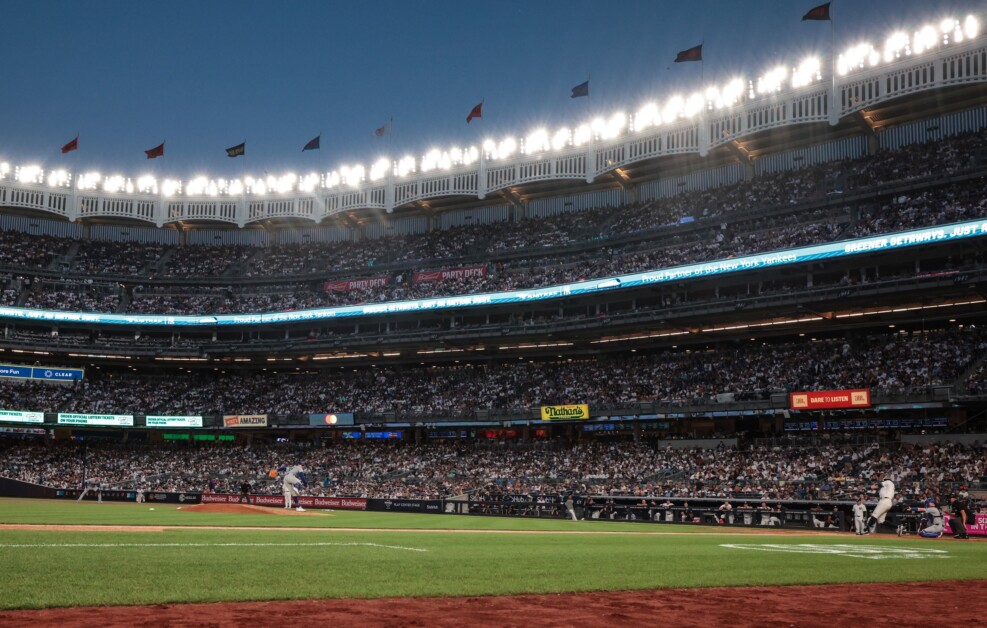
point(729, 234)
point(886, 363)
point(643, 469)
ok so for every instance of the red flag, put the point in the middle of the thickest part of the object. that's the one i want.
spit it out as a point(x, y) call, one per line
point(157, 151)
point(692, 54)
point(477, 112)
point(71, 146)
point(819, 13)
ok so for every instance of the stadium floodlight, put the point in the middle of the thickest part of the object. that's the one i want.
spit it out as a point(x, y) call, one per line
point(114, 183)
point(352, 176)
point(772, 81)
point(29, 174)
point(58, 178)
point(694, 104)
point(895, 46)
point(212, 189)
point(333, 179)
point(490, 148)
point(615, 125)
point(430, 161)
point(170, 187)
point(646, 117)
point(406, 166)
point(674, 108)
point(88, 181)
point(582, 135)
point(308, 183)
point(380, 169)
point(536, 142)
point(732, 92)
point(470, 155)
point(561, 139)
point(235, 188)
point(807, 72)
point(286, 183)
point(259, 187)
point(948, 25)
point(146, 184)
point(924, 39)
point(971, 26)
point(129, 186)
point(4, 169)
point(506, 148)
point(197, 186)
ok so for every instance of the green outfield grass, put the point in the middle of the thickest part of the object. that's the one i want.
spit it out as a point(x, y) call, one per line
point(417, 555)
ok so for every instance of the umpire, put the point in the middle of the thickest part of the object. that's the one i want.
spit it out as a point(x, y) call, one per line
point(244, 492)
point(962, 513)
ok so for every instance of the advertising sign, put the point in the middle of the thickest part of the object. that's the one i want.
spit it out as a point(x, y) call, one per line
point(21, 416)
point(570, 412)
point(173, 421)
point(827, 399)
point(115, 420)
point(245, 420)
point(338, 418)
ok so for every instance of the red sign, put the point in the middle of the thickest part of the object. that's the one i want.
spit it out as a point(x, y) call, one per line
point(341, 503)
point(350, 285)
point(826, 399)
point(450, 273)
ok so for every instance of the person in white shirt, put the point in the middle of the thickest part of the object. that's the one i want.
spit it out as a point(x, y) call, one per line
point(885, 497)
point(859, 515)
point(294, 476)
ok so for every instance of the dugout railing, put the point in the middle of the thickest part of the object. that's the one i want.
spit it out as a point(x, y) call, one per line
point(701, 511)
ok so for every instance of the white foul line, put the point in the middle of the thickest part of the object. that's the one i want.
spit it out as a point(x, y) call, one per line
point(86, 545)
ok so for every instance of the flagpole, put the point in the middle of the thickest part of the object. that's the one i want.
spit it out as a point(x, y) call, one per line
point(833, 117)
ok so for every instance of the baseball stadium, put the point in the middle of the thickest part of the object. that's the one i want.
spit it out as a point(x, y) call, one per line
point(718, 357)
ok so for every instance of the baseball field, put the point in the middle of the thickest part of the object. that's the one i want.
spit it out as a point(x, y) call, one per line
point(236, 564)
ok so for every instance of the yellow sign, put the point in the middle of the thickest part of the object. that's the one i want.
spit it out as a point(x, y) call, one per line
point(571, 413)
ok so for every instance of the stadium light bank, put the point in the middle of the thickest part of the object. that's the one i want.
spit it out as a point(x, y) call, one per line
point(809, 71)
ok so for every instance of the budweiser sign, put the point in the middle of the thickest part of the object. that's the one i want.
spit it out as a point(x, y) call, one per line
point(349, 285)
point(450, 273)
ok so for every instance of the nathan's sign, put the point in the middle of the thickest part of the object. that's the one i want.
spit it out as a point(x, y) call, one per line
point(450, 273)
point(349, 285)
point(245, 420)
point(826, 399)
point(549, 413)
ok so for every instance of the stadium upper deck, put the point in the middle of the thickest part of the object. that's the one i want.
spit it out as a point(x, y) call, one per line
point(720, 134)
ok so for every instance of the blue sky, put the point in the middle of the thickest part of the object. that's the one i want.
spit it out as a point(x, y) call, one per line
point(206, 75)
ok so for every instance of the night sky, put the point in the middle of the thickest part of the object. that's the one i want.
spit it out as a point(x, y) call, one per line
point(207, 75)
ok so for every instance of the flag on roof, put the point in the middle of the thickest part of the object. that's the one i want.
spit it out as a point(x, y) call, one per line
point(580, 90)
point(313, 144)
point(692, 54)
point(819, 13)
point(71, 146)
point(157, 151)
point(476, 112)
point(236, 151)
point(383, 130)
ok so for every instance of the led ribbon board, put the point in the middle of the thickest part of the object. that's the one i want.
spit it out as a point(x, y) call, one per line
point(173, 421)
point(116, 420)
point(833, 250)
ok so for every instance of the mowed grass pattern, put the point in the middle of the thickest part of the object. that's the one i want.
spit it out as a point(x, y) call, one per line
point(192, 564)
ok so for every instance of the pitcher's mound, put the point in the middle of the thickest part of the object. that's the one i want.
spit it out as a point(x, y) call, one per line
point(247, 509)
